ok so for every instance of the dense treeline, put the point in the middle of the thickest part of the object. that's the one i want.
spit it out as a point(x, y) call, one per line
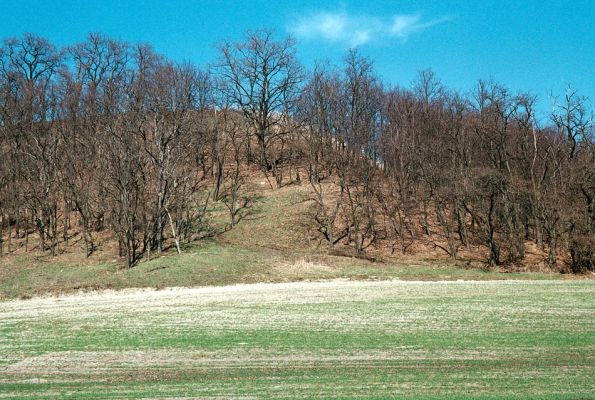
point(104, 136)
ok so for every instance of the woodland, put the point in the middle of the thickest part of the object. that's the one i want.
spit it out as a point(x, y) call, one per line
point(109, 138)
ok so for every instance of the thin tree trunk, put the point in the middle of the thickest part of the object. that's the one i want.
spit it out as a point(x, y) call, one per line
point(2, 219)
point(66, 221)
point(26, 228)
point(10, 235)
point(173, 232)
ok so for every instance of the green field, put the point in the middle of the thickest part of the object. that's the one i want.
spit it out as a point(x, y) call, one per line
point(334, 339)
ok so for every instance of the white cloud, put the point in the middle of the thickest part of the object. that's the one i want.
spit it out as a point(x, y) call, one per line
point(350, 30)
point(326, 25)
point(403, 25)
point(360, 36)
point(406, 24)
point(334, 27)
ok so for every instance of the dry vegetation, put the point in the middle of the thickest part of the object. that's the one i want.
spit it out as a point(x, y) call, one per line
point(274, 244)
point(110, 152)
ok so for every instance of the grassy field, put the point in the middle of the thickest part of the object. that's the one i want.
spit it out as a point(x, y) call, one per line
point(222, 264)
point(334, 339)
point(394, 325)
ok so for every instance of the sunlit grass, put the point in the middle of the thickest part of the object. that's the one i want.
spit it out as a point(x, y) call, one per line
point(341, 339)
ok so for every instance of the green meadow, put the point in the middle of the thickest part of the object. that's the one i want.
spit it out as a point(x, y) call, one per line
point(330, 339)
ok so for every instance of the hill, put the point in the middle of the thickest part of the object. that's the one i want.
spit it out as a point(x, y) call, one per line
point(112, 157)
point(276, 242)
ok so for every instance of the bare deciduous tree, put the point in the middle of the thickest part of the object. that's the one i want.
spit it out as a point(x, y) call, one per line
point(262, 79)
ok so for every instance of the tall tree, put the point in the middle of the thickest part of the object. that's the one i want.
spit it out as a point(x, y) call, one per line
point(262, 80)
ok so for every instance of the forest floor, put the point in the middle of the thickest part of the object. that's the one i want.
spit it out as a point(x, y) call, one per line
point(274, 243)
point(330, 339)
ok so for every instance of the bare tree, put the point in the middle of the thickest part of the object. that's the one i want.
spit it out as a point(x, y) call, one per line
point(28, 66)
point(319, 112)
point(262, 78)
point(107, 137)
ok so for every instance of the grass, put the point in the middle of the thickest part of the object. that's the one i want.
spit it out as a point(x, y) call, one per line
point(216, 263)
point(338, 339)
point(270, 245)
point(365, 332)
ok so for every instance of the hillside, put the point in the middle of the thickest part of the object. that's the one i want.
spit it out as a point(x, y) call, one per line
point(275, 243)
point(112, 156)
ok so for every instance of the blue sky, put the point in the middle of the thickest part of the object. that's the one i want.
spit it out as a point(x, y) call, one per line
point(536, 46)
